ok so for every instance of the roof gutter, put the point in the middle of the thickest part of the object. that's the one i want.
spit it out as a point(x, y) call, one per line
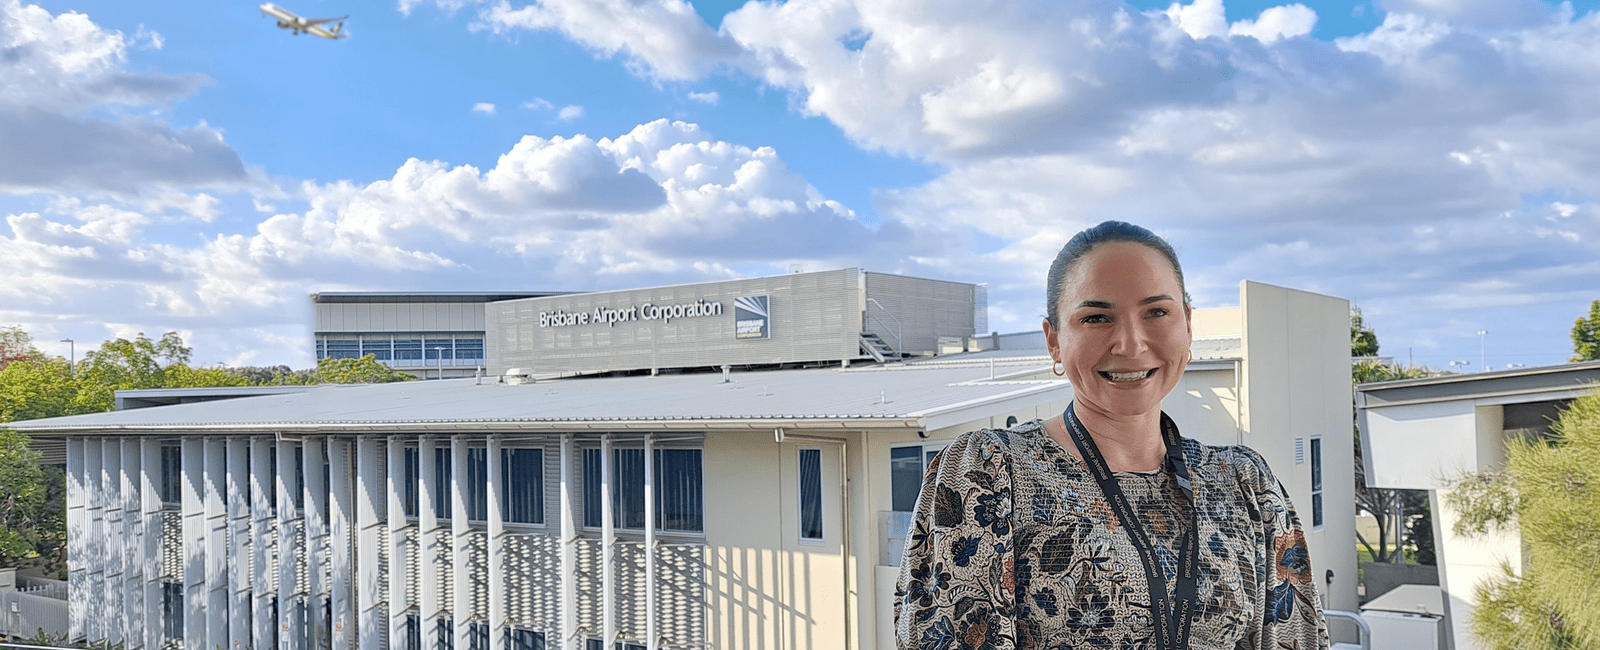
point(301, 428)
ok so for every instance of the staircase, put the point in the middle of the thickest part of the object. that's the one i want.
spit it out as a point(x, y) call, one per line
point(877, 348)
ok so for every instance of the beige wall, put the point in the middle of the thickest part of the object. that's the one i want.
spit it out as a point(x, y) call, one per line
point(769, 588)
point(1296, 385)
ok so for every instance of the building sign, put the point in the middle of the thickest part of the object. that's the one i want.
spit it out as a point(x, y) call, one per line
point(647, 311)
point(750, 318)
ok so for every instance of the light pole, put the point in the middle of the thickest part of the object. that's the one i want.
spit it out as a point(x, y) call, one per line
point(72, 358)
point(1463, 363)
point(1482, 360)
point(438, 355)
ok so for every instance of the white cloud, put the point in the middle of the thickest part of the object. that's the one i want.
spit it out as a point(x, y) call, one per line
point(538, 103)
point(706, 97)
point(664, 39)
point(483, 107)
point(570, 113)
point(58, 75)
point(665, 202)
point(1277, 23)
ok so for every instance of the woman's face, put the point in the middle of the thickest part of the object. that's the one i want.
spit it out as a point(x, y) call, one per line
point(1124, 334)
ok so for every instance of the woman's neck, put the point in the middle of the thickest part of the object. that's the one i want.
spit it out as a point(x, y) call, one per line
point(1128, 443)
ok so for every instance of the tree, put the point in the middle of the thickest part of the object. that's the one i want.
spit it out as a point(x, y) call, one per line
point(1550, 490)
point(16, 345)
point(22, 496)
point(365, 370)
point(1363, 341)
point(1586, 336)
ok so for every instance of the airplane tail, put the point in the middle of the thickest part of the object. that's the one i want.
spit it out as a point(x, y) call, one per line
point(336, 28)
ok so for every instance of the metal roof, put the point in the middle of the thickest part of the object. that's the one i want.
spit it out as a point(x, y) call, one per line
point(325, 297)
point(879, 397)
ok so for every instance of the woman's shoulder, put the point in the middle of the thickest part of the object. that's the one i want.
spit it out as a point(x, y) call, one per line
point(1247, 464)
point(990, 444)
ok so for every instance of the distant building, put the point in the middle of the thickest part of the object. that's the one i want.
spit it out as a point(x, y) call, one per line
point(650, 504)
point(1420, 434)
point(430, 335)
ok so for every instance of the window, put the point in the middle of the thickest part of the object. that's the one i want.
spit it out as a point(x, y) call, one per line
point(522, 485)
point(596, 644)
point(476, 489)
point(171, 474)
point(444, 633)
point(344, 349)
point(172, 610)
point(413, 632)
point(441, 485)
point(299, 478)
point(478, 636)
point(906, 467)
point(469, 349)
point(1316, 482)
point(524, 639)
point(408, 349)
point(439, 349)
point(679, 497)
point(412, 474)
point(380, 349)
point(811, 494)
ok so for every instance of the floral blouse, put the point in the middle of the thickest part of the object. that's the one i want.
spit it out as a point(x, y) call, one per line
point(1014, 546)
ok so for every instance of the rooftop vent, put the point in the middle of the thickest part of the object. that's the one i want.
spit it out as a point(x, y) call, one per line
point(518, 376)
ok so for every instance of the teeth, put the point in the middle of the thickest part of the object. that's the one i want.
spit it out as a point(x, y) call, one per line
point(1126, 376)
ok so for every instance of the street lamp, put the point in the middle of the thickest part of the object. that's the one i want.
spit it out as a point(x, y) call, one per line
point(438, 354)
point(72, 351)
point(1462, 363)
point(1514, 366)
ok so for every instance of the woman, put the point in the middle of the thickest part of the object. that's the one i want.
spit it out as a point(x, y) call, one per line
point(1102, 527)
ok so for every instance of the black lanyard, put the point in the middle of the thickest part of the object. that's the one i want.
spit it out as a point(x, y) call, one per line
point(1171, 619)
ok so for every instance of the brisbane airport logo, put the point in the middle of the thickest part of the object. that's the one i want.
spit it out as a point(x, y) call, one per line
point(751, 319)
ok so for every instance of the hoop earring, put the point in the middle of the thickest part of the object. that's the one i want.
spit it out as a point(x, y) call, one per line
point(1062, 372)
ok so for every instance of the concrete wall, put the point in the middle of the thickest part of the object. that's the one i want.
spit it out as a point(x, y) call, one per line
point(1296, 386)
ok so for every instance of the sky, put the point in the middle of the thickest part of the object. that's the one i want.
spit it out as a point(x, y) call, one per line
point(186, 166)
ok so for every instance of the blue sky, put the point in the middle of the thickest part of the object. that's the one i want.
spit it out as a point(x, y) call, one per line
point(187, 166)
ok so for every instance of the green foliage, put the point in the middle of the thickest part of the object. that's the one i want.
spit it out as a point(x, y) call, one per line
point(365, 370)
point(22, 496)
point(1586, 336)
point(1551, 488)
point(1363, 341)
point(16, 345)
point(39, 388)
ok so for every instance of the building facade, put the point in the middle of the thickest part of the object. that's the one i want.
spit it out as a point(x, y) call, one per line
point(1423, 434)
point(761, 508)
point(430, 335)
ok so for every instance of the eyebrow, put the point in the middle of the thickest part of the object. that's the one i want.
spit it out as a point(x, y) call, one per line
point(1102, 304)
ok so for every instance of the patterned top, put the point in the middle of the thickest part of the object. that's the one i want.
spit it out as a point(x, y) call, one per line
point(1014, 546)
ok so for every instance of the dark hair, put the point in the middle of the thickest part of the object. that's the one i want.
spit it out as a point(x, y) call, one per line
point(1084, 242)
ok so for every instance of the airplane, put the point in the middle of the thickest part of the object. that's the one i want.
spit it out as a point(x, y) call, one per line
point(288, 20)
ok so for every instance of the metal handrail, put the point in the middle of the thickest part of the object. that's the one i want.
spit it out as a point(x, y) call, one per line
point(1365, 634)
point(7, 645)
point(899, 344)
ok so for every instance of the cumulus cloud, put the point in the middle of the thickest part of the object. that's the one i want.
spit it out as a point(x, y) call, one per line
point(706, 97)
point(653, 205)
point(569, 113)
point(55, 72)
point(483, 107)
point(664, 39)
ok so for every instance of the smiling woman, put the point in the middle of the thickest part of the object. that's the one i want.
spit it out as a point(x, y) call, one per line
point(1085, 530)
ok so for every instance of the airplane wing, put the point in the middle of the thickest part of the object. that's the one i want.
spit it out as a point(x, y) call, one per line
point(319, 21)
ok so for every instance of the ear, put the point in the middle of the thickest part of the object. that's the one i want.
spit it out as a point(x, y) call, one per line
point(1052, 340)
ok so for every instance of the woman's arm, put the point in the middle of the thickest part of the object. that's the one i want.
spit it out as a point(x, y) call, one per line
point(957, 586)
point(1292, 616)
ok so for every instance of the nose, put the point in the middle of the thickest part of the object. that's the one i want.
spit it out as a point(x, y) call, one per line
point(1129, 340)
